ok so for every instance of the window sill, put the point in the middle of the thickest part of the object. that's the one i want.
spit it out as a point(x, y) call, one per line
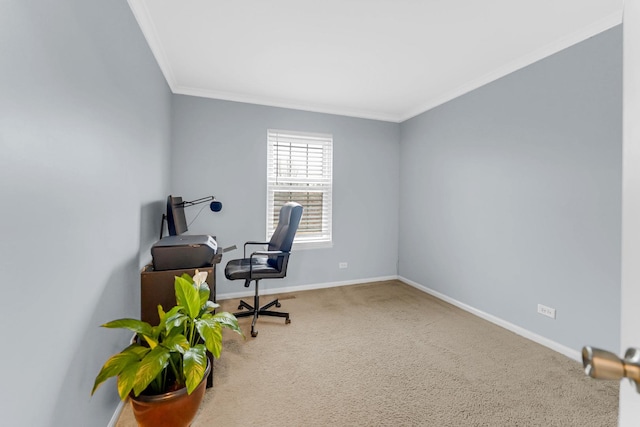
point(312, 245)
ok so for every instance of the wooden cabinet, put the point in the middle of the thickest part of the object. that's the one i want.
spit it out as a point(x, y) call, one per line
point(157, 287)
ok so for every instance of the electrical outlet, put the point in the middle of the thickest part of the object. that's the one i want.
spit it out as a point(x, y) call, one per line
point(547, 311)
point(343, 265)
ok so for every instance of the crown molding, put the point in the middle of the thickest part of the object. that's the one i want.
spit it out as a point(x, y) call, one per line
point(283, 103)
point(552, 48)
point(143, 16)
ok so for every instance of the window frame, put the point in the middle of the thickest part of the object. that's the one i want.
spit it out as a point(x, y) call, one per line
point(281, 180)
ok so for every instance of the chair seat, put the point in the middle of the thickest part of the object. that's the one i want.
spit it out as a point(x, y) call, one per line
point(241, 269)
point(266, 264)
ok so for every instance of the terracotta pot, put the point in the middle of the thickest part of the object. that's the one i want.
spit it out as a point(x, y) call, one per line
point(174, 409)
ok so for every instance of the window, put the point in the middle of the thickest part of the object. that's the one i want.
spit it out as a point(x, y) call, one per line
point(300, 170)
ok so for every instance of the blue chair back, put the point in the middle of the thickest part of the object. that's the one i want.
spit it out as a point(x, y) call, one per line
point(288, 221)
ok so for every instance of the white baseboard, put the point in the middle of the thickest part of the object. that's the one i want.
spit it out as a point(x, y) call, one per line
point(249, 292)
point(116, 414)
point(569, 352)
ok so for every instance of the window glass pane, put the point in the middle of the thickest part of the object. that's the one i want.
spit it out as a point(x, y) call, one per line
point(311, 222)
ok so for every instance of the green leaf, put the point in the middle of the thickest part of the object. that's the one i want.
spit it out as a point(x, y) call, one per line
point(175, 321)
point(187, 296)
point(150, 367)
point(161, 313)
point(119, 362)
point(153, 342)
point(209, 306)
point(187, 277)
point(204, 293)
point(227, 320)
point(176, 342)
point(194, 366)
point(127, 379)
point(135, 325)
point(211, 333)
point(174, 310)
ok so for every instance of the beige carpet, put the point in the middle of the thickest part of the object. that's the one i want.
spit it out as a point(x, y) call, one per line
point(386, 354)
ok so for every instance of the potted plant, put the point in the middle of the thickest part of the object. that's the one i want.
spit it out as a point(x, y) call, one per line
point(163, 371)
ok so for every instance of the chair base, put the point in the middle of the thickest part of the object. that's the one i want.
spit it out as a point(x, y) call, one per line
point(256, 311)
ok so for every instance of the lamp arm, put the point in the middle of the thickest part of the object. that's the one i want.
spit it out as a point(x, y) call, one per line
point(197, 201)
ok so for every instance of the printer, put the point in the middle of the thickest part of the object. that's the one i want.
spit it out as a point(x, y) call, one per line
point(183, 251)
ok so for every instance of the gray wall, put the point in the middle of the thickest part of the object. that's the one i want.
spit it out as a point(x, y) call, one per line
point(219, 148)
point(511, 195)
point(84, 139)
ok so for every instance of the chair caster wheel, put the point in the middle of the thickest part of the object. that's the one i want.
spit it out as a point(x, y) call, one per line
point(240, 307)
point(254, 333)
point(278, 305)
point(287, 321)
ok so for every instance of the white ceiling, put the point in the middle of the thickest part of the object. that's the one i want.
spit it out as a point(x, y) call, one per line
point(380, 59)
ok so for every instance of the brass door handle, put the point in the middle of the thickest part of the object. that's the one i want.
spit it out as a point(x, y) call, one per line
point(605, 365)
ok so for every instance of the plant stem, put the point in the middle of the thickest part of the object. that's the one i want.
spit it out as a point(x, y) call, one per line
point(176, 372)
point(190, 324)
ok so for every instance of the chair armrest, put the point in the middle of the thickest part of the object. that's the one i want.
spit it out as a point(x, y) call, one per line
point(267, 253)
point(251, 242)
point(263, 253)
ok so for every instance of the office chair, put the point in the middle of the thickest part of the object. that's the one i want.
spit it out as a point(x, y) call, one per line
point(269, 264)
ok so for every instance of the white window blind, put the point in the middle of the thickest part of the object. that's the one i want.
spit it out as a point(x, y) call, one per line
point(300, 170)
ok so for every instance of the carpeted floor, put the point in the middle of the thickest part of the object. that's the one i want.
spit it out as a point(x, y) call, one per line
point(386, 354)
